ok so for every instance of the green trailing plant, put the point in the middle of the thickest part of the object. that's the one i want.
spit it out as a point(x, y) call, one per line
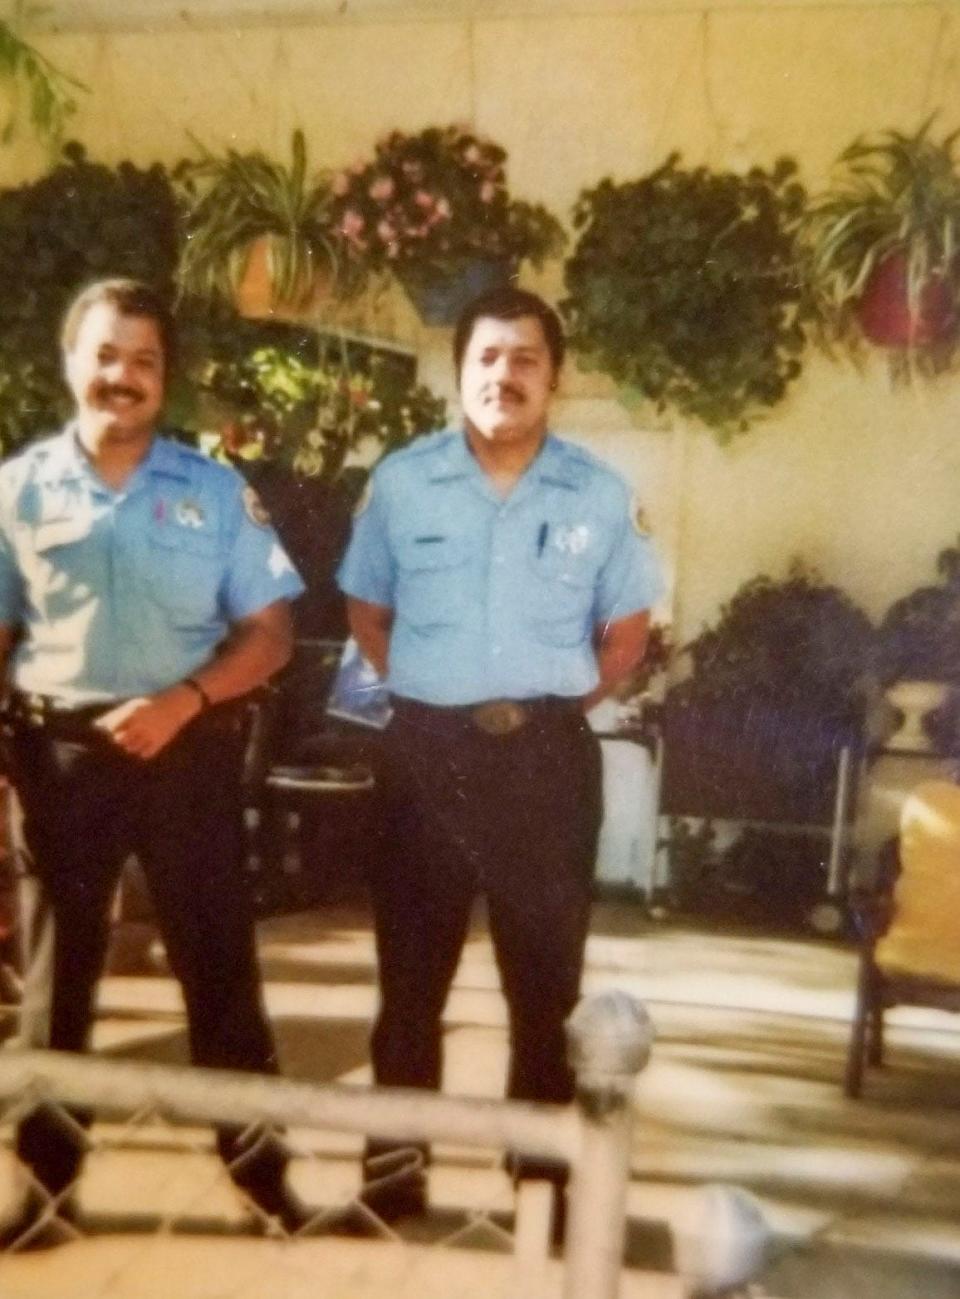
point(426, 204)
point(234, 200)
point(308, 410)
point(81, 221)
point(684, 287)
point(39, 90)
point(894, 211)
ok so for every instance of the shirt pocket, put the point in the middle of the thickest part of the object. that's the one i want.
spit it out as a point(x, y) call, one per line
point(183, 572)
point(431, 581)
point(562, 596)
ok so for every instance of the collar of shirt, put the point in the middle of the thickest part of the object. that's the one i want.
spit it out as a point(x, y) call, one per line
point(552, 465)
point(66, 462)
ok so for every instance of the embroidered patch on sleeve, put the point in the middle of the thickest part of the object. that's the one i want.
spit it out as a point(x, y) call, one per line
point(254, 508)
point(639, 519)
point(366, 496)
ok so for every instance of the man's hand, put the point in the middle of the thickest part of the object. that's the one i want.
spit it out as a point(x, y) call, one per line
point(143, 727)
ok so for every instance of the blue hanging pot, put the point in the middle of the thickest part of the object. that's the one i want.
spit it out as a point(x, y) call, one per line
point(439, 296)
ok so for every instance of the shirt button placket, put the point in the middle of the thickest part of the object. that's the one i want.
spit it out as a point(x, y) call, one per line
point(498, 582)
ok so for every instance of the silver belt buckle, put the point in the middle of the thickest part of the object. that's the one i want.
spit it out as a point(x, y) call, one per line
point(500, 716)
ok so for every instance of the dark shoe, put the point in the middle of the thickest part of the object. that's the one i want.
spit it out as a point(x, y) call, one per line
point(522, 1168)
point(284, 1206)
point(39, 1221)
point(392, 1201)
point(394, 1181)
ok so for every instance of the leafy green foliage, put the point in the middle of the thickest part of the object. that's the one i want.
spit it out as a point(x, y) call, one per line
point(81, 221)
point(919, 635)
point(308, 408)
point(799, 643)
point(684, 288)
point(50, 93)
point(234, 200)
point(425, 204)
point(894, 193)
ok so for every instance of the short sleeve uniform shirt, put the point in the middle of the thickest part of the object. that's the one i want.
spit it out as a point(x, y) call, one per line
point(496, 598)
point(122, 593)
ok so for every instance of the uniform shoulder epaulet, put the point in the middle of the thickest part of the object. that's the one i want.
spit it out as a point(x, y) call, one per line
point(595, 467)
point(427, 444)
point(24, 460)
point(185, 451)
point(35, 449)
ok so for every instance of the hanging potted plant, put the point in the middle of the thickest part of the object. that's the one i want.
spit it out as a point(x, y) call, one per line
point(883, 245)
point(433, 209)
point(255, 232)
point(683, 287)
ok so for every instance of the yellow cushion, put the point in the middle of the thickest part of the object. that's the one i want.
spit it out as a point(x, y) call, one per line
point(924, 936)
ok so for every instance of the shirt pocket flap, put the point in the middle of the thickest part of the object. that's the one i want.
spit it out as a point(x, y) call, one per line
point(423, 551)
point(183, 540)
point(578, 570)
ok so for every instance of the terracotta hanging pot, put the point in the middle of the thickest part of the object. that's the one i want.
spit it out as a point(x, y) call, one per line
point(255, 295)
point(885, 314)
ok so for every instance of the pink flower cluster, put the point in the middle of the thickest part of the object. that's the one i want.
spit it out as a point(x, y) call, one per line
point(438, 191)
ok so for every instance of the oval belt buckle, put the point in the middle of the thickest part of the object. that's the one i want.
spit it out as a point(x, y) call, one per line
point(500, 716)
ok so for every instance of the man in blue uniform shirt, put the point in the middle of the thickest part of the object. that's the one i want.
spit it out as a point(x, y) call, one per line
point(500, 581)
point(142, 593)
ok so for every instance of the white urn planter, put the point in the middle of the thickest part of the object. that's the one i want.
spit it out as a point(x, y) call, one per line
point(914, 700)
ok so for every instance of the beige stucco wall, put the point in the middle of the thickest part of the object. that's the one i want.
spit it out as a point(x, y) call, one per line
point(854, 476)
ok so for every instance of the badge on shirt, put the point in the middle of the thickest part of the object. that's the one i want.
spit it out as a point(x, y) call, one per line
point(572, 540)
point(254, 508)
point(189, 514)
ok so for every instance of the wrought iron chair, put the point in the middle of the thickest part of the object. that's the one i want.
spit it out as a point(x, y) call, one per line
point(910, 924)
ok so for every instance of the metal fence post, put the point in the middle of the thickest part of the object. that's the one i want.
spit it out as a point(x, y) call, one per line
point(609, 1038)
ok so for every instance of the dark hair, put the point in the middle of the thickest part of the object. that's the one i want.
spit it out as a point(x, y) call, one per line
point(131, 298)
point(509, 304)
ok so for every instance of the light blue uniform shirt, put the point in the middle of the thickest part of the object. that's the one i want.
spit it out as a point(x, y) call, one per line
point(122, 593)
point(496, 598)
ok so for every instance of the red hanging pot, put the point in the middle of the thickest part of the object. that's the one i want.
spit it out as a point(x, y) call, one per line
point(884, 310)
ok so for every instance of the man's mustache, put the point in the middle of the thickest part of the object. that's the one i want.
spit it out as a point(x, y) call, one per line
point(508, 390)
point(119, 390)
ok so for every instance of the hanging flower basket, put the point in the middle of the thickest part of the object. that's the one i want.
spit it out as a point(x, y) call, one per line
point(887, 317)
point(441, 295)
point(433, 211)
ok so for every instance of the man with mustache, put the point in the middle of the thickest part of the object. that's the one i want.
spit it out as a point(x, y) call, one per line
point(500, 582)
point(143, 594)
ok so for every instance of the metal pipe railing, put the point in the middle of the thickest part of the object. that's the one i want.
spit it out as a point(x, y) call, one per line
point(609, 1043)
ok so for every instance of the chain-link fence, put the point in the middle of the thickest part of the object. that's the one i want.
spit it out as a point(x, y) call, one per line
point(160, 1215)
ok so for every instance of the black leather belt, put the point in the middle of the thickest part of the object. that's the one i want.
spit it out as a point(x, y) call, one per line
point(26, 709)
point(492, 716)
point(30, 709)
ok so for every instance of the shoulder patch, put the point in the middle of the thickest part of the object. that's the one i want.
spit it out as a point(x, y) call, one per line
point(254, 508)
point(639, 519)
point(364, 499)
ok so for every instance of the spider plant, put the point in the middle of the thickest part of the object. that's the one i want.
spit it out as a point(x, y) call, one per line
point(239, 203)
point(49, 92)
point(889, 227)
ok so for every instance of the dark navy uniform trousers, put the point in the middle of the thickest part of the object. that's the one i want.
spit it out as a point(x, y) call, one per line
point(86, 807)
point(516, 818)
